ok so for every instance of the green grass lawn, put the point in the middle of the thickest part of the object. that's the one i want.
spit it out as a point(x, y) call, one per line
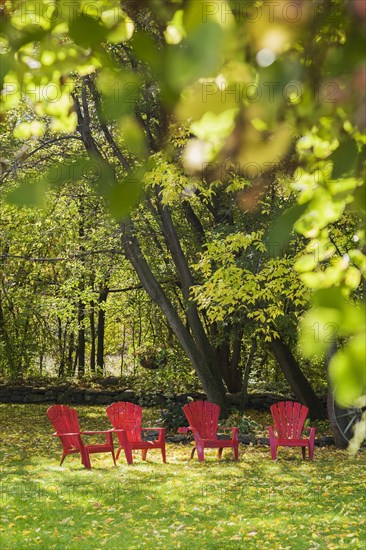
point(255, 503)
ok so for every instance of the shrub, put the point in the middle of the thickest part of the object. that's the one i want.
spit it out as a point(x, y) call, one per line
point(246, 425)
point(172, 417)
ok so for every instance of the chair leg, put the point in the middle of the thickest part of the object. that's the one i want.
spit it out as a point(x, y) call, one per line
point(236, 452)
point(201, 453)
point(311, 443)
point(273, 451)
point(303, 450)
point(85, 459)
point(311, 450)
point(192, 453)
point(128, 453)
point(118, 452)
point(143, 454)
point(219, 454)
point(163, 454)
point(64, 455)
point(109, 441)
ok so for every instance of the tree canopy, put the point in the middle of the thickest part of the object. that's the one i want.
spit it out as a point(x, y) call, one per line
point(218, 146)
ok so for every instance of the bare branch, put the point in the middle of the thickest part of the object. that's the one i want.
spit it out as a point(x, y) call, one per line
point(61, 259)
point(15, 166)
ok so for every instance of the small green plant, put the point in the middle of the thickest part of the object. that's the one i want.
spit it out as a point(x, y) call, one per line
point(172, 417)
point(246, 425)
point(152, 358)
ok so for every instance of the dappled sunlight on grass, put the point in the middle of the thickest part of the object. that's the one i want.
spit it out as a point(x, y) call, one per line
point(254, 503)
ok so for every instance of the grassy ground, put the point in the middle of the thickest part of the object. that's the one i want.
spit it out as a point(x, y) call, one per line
point(255, 503)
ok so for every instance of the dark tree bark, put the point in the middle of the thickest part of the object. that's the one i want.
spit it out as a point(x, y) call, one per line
point(123, 350)
point(70, 353)
point(81, 339)
point(81, 304)
point(247, 369)
point(211, 384)
point(101, 329)
point(61, 347)
point(299, 384)
point(229, 358)
point(92, 337)
point(5, 338)
point(185, 276)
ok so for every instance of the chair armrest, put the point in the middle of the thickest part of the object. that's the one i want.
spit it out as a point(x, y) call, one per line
point(235, 431)
point(65, 434)
point(184, 430)
point(92, 432)
point(312, 432)
point(85, 433)
point(161, 433)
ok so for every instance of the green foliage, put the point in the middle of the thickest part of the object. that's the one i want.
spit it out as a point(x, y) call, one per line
point(241, 277)
point(121, 79)
point(152, 358)
point(246, 425)
point(336, 279)
point(172, 416)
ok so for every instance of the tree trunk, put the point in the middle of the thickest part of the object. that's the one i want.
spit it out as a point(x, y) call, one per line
point(123, 347)
point(70, 352)
point(247, 369)
point(301, 387)
point(81, 339)
point(81, 305)
point(92, 337)
point(229, 364)
point(197, 331)
point(61, 367)
point(339, 440)
point(236, 376)
point(213, 387)
point(7, 344)
point(180, 261)
point(101, 329)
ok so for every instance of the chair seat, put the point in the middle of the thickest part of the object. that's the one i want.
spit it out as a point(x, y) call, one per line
point(292, 442)
point(217, 443)
point(144, 444)
point(98, 448)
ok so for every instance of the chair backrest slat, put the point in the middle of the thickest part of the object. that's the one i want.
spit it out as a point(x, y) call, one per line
point(65, 420)
point(126, 416)
point(204, 417)
point(289, 419)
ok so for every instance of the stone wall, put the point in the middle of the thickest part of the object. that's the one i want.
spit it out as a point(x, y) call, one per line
point(76, 396)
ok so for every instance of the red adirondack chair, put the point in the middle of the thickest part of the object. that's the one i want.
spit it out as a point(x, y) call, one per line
point(66, 423)
point(127, 417)
point(203, 418)
point(289, 418)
